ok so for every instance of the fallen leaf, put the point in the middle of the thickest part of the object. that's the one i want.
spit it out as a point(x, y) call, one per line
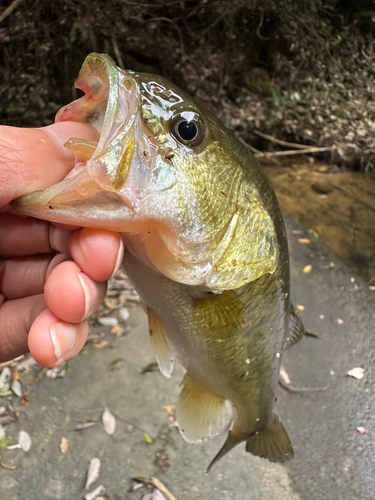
point(304, 241)
point(5, 379)
point(300, 307)
point(94, 493)
point(17, 388)
point(124, 314)
point(170, 409)
point(357, 372)
point(361, 430)
point(64, 445)
point(25, 401)
point(307, 269)
point(117, 330)
point(93, 472)
point(101, 344)
point(147, 438)
point(115, 364)
point(85, 425)
point(109, 422)
point(110, 303)
point(24, 440)
point(108, 321)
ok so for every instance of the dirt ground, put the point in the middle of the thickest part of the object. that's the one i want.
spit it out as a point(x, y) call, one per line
point(336, 206)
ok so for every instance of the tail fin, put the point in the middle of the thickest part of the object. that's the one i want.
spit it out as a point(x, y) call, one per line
point(272, 443)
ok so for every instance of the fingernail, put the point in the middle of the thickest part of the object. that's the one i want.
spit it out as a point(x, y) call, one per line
point(63, 336)
point(86, 291)
point(120, 257)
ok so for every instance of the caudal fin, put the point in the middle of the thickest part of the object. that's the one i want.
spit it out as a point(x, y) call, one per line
point(272, 443)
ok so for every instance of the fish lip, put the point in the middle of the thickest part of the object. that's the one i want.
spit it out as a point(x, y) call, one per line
point(109, 104)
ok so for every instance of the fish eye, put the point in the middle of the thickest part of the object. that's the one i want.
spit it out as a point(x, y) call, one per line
point(188, 129)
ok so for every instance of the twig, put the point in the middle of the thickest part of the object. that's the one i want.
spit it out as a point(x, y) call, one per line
point(154, 482)
point(294, 152)
point(162, 488)
point(7, 466)
point(9, 10)
point(279, 141)
point(117, 52)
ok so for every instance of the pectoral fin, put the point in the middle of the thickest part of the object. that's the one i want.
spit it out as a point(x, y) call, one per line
point(160, 343)
point(200, 414)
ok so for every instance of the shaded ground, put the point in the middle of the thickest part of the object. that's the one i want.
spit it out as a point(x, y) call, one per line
point(332, 459)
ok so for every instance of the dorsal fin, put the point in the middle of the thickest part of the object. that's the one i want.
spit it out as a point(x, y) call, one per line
point(160, 343)
point(296, 329)
point(200, 414)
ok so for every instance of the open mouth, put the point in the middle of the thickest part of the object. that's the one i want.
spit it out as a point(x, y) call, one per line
point(93, 194)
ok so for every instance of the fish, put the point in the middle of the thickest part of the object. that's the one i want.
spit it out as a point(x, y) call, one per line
point(206, 246)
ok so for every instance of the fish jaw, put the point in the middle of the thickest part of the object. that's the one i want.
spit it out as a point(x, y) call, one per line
point(91, 194)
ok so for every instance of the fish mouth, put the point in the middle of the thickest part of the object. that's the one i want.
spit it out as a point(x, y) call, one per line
point(93, 194)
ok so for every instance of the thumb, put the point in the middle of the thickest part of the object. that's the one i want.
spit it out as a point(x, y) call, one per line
point(32, 159)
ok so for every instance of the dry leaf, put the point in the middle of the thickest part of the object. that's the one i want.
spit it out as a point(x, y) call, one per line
point(361, 430)
point(357, 372)
point(307, 269)
point(109, 422)
point(108, 321)
point(24, 440)
point(124, 314)
point(25, 401)
point(117, 330)
point(93, 472)
point(115, 364)
point(94, 493)
point(86, 425)
point(101, 344)
point(17, 388)
point(304, 241)
point(110, 303)
point(170, 409)
point(64, 445)
point(300, 307)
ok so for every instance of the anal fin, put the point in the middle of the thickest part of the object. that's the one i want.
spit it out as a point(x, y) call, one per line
point(200, 414)
point(161, 346)
point(272, 443)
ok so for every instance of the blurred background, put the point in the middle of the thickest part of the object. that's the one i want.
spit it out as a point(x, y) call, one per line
point(286, 76)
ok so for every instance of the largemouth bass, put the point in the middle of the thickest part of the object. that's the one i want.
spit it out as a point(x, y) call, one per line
point(206, 246)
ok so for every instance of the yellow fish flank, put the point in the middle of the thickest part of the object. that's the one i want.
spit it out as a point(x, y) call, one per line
point(206, 246)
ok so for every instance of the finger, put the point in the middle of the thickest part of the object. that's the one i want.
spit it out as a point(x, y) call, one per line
point(26, 276)
point(70, 294)
point(21, 236)
point(16, 318)
point(98, 252)
point(32, 159)
point(52, 341)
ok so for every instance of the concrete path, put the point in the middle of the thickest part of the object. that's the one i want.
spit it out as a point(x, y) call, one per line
point(333, 461)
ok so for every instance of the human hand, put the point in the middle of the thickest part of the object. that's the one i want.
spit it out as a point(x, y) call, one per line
point(51, 278)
